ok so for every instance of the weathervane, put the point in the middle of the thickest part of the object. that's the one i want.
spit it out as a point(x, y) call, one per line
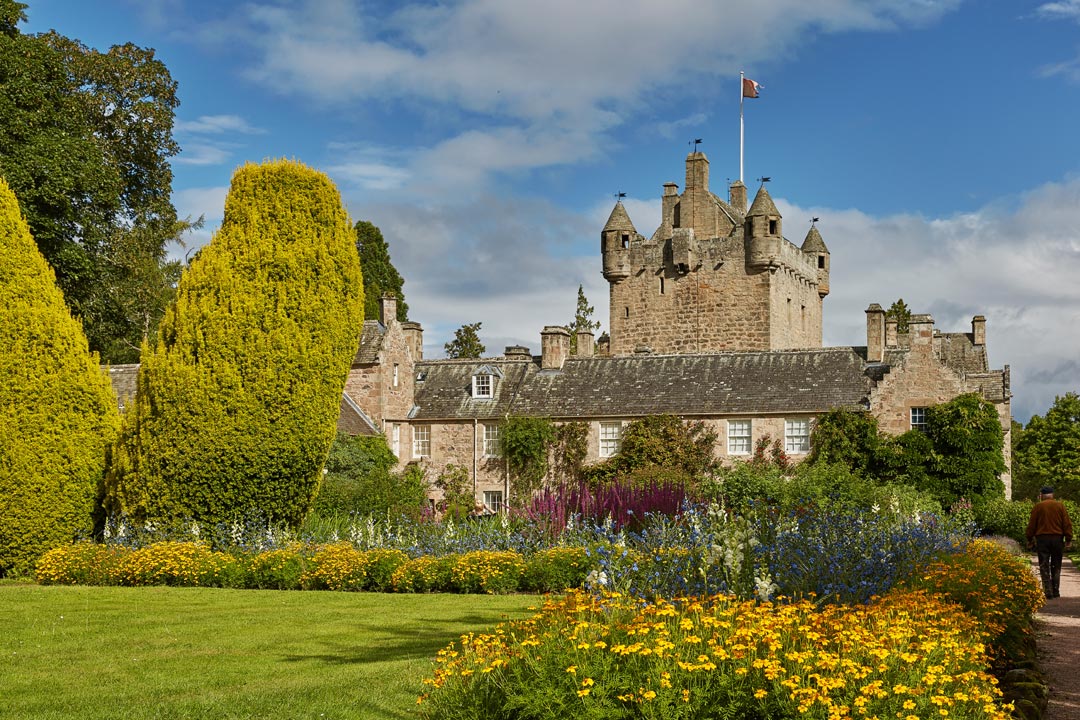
point(814, 220)
point(764, 180)
point(620, 195)
point(695, 142)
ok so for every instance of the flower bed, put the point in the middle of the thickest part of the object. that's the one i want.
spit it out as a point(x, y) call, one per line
point(910, 654)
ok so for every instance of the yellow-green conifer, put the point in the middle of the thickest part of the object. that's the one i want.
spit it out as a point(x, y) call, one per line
point(57, 411)
point(236, 405)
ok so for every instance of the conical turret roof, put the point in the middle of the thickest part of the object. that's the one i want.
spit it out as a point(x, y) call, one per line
point(619, 219)
point(813, 242)
point(763, 204)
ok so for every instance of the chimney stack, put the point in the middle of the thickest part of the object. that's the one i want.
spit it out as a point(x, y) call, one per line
point(414, 338)
point(737, 195)
point(891, 326)
point(921, 330)
point(555, 347)
point(584, 343)
point(875, 333)
point(978, 330)
point(388, 309)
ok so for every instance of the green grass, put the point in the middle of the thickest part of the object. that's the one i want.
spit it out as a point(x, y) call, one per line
point(163, 652)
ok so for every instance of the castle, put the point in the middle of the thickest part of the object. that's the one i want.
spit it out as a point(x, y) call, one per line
point(715, 317)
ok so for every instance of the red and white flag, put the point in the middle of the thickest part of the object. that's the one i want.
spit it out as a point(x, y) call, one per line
point(750, 88)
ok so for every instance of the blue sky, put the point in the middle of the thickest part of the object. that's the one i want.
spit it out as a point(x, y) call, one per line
point(935, 139)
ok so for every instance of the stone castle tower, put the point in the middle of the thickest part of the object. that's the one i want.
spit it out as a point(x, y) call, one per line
point(714, 276)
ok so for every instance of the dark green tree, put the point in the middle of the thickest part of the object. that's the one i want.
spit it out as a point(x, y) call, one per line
point(1047, 452)
point(360, 480)
point(682, 448)
point(59, 413)
point(582, 318)
point(85, 139)
point(237, 403)
point(846, 437)
point(967, 461)
point(380, 275)
point(899, 312)
point(466, 343)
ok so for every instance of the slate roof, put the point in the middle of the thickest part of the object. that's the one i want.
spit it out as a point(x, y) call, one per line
point(813, 242)
point(353, 420)
point(763, 204)
point(736, 383)
point(619, 219)
point(371, 339)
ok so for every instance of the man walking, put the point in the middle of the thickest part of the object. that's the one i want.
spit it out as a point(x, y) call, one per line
point(1050, 531)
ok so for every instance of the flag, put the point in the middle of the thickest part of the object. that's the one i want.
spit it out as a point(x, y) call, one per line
point(750, 88)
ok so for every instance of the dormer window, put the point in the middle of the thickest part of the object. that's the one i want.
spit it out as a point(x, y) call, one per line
point(483, 382)
point(481, 386)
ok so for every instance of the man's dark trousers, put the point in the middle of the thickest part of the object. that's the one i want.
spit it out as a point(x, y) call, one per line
point(1050, 549)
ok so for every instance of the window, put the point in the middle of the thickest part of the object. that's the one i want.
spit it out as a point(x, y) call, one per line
point(661, 286)
point(421, 441)
point(481, 386)
point(821, 261)
point(625, 241)
point(492, 441)
point(772, 227)
point(610, 439)
point(493, 501)
point(738, 437)
point(395, 439)
point(396, 370)
point(918, 419)
point(796, 436)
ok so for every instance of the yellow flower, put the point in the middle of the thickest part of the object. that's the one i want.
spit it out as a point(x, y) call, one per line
point(587, 682)
point(572, 669)
point(648, 695)
point(583, 693)
point(760, 693)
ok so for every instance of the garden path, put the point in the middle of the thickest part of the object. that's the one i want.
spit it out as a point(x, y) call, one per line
point(1057, 628)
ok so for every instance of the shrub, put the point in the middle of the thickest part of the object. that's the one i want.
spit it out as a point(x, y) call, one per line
point(998, 516)
point(81, 563)
point(426, 573)
point(486, 571)
point(582, 657)
point(337, 566)
point(381, 564)
point(58, 411)
point(359, 480)
point(237, 403)
point(555, 569)
point(996, 587)
point(277, 569)
point(179, 563)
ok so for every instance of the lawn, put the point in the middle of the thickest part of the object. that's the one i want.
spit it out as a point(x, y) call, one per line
point(164, 652)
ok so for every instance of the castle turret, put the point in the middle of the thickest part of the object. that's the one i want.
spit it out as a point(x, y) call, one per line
point(814, 246)
point(763, 233)
point(615, 244)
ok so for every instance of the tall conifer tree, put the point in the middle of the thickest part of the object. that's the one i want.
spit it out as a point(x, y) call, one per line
point(57, 411)
point(237, 404)
point(380, 275)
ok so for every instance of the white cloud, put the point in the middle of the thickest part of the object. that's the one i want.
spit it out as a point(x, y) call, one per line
point(1069, 69)
point(1015, 263)
point(201, 153)
point(207, 202)
point(1062, 10)
point(216, 125)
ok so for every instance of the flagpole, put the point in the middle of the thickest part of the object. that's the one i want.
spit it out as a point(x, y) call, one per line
point(741, 131)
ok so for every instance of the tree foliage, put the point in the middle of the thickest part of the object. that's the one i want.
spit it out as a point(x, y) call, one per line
point(666, 442)
point(59, 412)
point(1047, 451)
point(85, 142)
point(466, 343)
point(360, 479)
point(380, 275)
point(958, 456)
point(582, 318)
point(899, 312)
point(237, 403)
point(527, 442)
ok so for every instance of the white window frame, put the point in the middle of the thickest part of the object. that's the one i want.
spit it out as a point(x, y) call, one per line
point(492, 441)
point(920, 423)
point(797, 436)
point(610, 439)
point(483, 386)
point(395, 439)
point(493, 500)
point(421, 441)
point(740, 437)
